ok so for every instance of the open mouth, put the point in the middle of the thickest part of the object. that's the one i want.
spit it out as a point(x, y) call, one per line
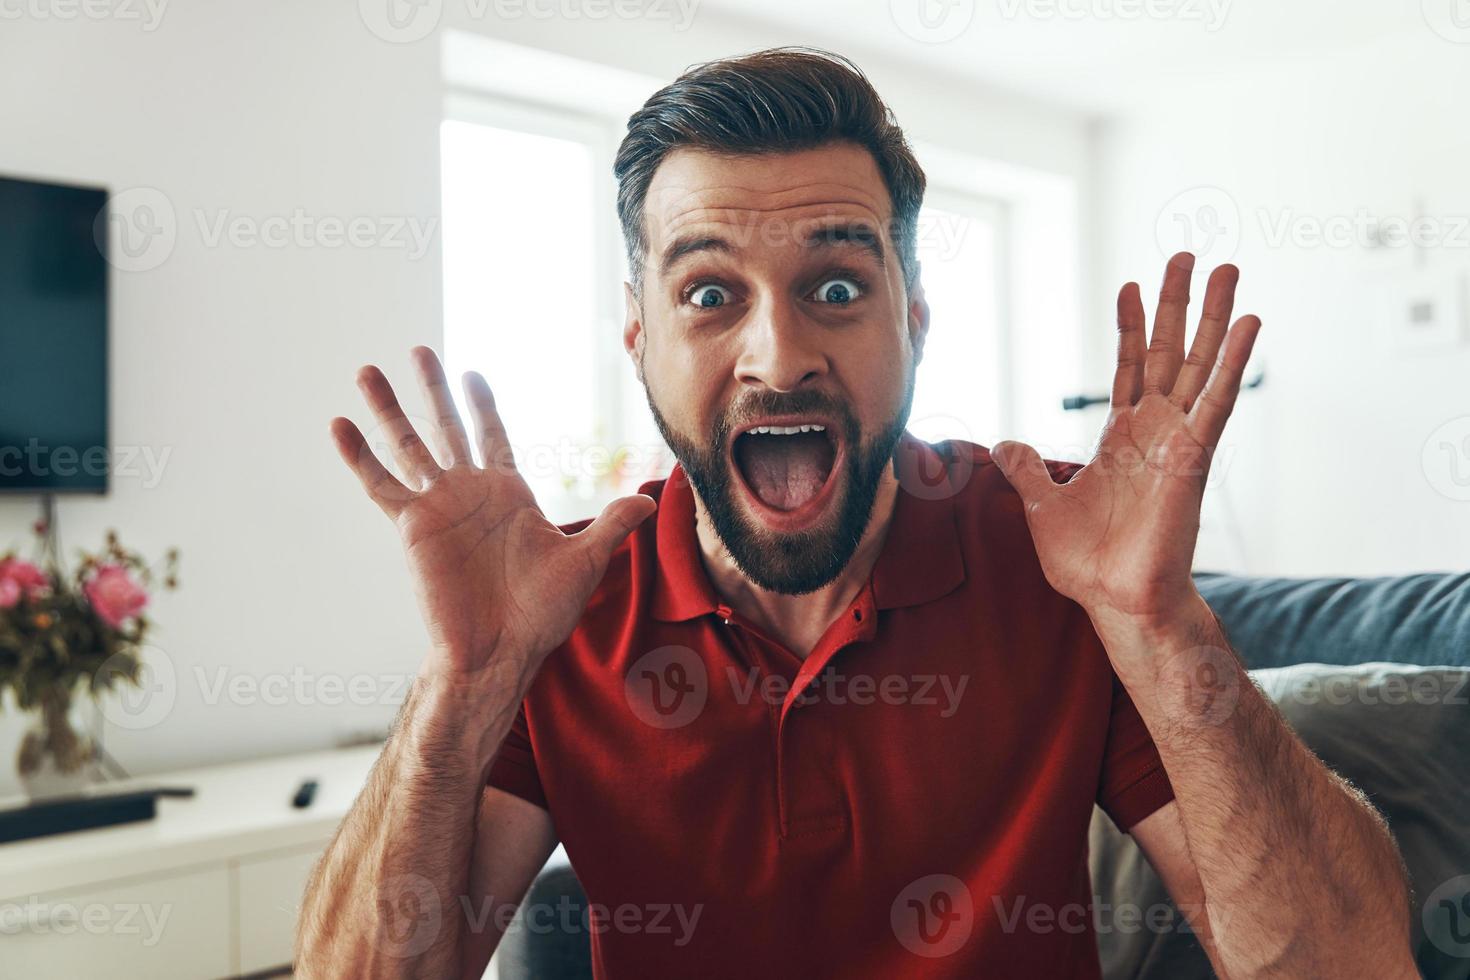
point(787, 466)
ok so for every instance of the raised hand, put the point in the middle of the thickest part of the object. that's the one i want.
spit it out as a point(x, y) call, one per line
point(1119, 538)
point(494, 578)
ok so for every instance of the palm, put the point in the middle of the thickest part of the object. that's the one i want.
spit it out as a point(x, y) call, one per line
point(531, 582)
point(491, 573)
point(1121, 534)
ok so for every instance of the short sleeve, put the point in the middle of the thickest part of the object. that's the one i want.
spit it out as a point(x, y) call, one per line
point(514, 768)
point(1134, 783)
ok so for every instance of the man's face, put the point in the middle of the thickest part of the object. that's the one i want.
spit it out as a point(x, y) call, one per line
point(777, 344)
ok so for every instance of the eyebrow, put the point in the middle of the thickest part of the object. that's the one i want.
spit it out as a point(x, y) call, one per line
point(845, 234)
point(849, 233)
point(690, 244)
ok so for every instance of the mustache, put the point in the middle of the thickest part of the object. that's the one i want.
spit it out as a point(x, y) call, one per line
point(756, 404)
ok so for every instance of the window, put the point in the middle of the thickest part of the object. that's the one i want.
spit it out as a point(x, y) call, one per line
point(961, 390)
point(531, 294)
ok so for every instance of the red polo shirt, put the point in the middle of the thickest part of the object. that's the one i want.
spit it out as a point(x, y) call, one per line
point(911, 800)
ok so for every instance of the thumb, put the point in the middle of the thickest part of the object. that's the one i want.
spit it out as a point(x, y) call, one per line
point(616, 522)
point(1023, 467)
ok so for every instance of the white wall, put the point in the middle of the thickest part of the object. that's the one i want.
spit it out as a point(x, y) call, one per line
point(1324, 462)
point(232, 358)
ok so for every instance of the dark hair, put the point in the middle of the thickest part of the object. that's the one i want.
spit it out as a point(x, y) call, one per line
point(774, 101)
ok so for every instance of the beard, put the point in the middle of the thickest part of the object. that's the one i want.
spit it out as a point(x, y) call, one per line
point(799, 562)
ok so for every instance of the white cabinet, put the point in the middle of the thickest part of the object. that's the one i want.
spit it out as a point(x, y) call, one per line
point(210, 888)
point(268, 897)
point(167, 928)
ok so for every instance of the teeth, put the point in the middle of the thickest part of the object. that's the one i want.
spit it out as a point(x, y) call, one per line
point(786, 430)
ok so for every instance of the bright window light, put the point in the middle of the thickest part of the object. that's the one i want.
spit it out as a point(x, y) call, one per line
point(959, 390)
point(520, 284)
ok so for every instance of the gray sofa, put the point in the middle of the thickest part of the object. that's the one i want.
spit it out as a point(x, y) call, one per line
point(1374, 674)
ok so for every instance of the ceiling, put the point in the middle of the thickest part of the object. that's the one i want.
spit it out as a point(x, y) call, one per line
point(1098, 55)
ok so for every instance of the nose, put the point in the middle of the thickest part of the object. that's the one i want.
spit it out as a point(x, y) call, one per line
point(780, 351)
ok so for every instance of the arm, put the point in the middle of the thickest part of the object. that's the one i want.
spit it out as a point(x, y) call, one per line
point(499, 588)
point(1160, 836)
point(405, 887)
point(513, 840)
point(1296, 873)
point(1263, 839)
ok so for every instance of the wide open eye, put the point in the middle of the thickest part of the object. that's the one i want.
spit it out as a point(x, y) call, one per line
point(709, 296)
point(840, 291)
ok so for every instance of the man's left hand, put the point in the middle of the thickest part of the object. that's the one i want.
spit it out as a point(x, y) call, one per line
point(1119, 538)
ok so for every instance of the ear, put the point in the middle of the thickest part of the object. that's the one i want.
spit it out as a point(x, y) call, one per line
point(918, 318)
point(633, 338)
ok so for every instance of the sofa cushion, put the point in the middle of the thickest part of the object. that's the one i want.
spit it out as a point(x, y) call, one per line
point(1397, 732)
point(1408, 619)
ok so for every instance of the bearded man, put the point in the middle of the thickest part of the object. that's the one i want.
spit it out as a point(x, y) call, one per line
point(830, 700)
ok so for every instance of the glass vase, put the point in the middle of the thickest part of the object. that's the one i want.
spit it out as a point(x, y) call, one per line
point(60, 750)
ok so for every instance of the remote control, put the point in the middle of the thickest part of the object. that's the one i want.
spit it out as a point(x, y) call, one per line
point(304, 794)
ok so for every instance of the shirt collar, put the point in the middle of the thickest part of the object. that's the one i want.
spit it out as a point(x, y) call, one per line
point(921, 558)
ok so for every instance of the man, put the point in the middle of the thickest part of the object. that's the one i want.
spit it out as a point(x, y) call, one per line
point(844, 705)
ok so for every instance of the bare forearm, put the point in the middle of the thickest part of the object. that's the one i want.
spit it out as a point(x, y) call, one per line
point(1281, 844)
point(383, 900)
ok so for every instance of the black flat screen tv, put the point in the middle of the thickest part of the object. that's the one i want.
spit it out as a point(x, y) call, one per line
point(53, 338)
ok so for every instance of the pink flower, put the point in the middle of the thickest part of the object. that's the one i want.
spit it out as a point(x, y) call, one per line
point(20, 578)
point(114, 596)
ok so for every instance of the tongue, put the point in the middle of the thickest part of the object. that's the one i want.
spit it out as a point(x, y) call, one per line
point(785, 472)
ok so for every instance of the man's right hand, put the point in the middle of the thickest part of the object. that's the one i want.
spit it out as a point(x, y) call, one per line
point(494, 578)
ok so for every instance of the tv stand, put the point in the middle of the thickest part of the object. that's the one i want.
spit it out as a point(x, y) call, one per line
point(208, 888)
